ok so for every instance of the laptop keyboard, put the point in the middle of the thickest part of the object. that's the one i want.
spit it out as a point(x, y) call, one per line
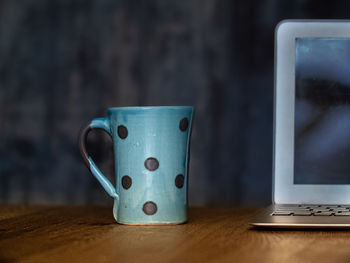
point(312, 210)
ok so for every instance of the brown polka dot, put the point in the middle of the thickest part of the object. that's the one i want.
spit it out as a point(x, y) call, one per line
point(126, 182)
point(152, 164)
point(179, 181)
point(149, 208)
point(183, 124)
point(122, 131)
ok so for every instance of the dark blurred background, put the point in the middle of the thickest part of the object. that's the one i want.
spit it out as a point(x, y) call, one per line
point(64, 62)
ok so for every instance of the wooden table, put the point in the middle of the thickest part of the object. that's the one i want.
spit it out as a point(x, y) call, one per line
point(89, 234)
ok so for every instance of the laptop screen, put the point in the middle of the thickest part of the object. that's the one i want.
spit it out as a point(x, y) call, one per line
point(322, 111)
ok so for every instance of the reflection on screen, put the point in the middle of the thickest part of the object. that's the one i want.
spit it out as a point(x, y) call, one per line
point(322, 111)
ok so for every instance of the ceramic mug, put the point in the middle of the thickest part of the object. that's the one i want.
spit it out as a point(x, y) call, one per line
point(151, 157)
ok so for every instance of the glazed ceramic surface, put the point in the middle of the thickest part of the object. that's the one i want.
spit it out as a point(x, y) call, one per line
point(151, 153)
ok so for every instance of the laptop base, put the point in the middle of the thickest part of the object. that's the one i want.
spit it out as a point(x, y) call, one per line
point(270, 219)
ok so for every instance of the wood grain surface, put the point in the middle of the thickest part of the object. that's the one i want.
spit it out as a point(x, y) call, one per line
point(89, 234)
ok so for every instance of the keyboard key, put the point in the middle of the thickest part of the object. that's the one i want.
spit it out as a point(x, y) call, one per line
point(340, 209)
point(303, 207)
point(312, 207)
point(321, 210)
point(286, 208)
point(324, 214)
point(342, 214)
point(281, 213)
point(302, 213)
point(283, 210)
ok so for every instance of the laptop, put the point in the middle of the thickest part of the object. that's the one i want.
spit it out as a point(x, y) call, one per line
point(311, 169)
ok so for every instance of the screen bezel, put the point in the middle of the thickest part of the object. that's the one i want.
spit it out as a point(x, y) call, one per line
point(284, 190)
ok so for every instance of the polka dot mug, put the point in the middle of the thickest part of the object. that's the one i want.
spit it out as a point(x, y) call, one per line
point(151, 154)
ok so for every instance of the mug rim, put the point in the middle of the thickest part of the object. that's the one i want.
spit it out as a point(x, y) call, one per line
point(150, 108)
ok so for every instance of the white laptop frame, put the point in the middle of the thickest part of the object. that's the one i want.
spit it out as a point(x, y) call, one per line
point(284, 191)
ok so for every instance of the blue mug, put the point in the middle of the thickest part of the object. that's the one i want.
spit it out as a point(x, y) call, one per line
point(151, 157)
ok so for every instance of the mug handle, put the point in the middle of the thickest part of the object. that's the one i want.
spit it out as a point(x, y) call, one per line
point(103, 124)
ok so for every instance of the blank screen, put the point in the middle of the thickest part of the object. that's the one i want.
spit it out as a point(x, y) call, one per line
point(322, 111)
